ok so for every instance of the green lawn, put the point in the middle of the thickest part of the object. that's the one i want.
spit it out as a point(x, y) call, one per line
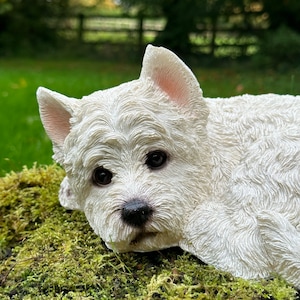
point(23, 140)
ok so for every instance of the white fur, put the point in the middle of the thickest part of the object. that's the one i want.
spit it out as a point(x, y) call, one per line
point(230, 191)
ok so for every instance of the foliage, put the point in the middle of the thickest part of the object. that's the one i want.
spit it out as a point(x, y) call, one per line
point(50, 253)
point(186, 17)
point(245, 16)
point(178, 25)
point(30, 28)
point(36, 28)
point(283, 13)
point(182, 18)
point(280, 48)
point(25, 28)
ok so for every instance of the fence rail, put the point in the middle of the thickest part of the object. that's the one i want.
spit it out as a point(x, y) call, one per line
point(139, 30)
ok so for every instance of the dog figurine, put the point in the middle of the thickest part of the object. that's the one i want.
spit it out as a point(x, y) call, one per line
point(153, 164)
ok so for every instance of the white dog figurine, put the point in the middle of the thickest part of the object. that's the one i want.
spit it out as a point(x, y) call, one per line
point(153, 165)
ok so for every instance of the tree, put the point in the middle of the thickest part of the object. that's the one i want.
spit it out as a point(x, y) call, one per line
point(180, 20)
point(26, 25)
point(183, 17)
point(186, 16)
point(178, 25)
point(283, 13)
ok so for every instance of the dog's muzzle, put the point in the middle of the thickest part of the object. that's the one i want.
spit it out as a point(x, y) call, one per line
point(136, 213)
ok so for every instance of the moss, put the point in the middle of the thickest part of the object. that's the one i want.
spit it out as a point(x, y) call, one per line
point(50, 253)
point(27, 200)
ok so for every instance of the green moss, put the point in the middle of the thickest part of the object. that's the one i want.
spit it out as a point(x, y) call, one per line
point(27, 200)
point(50, 253)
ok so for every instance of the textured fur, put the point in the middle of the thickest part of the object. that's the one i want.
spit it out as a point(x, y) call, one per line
point(230, 190)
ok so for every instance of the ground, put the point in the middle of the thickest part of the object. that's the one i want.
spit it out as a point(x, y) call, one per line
point(47, 252)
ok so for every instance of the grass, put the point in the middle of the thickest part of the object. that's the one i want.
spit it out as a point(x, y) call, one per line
point(23, 140)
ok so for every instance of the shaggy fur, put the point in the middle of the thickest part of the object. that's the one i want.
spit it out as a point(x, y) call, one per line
point(229, 190)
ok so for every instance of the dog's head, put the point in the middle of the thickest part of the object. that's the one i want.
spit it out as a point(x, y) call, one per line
point(135, 155)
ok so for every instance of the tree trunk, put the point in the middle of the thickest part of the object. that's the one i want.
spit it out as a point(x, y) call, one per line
point(180, 22)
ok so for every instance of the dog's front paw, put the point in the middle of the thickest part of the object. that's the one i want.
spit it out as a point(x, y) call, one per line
point(66, 196)
point(282, 243)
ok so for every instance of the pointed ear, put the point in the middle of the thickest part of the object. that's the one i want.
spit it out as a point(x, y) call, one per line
point(55, 112)
point(171, 75)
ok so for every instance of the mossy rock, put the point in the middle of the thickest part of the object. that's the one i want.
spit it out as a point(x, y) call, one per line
point(47, 252)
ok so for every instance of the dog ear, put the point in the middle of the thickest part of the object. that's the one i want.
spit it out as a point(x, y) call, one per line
point(55, 112)
point(171, 75)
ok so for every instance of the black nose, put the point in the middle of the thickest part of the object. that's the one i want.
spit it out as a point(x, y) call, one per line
point(136, 213)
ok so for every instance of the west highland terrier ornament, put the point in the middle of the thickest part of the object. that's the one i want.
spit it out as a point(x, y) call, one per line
point(153, 165)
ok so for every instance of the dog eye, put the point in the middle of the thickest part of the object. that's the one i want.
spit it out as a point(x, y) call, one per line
point(156, 159)
point(101, 176)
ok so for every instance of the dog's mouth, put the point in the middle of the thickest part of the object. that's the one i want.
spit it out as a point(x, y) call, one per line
point(141, 236)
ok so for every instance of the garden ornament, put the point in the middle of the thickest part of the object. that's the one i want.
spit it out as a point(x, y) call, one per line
point(153, 164)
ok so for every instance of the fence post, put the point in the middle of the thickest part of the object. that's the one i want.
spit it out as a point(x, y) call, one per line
point(214, 21)
point(80, 27)
point(140, 32)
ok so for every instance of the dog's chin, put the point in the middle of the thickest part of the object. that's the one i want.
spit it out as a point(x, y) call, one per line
point(143, 237)
point(143, 242)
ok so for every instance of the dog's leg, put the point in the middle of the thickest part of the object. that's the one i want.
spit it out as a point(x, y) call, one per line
point(218, 239)
point(282, 243)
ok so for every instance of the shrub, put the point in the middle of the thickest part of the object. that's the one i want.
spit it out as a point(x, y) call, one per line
point(279, 48)
point(27, 28)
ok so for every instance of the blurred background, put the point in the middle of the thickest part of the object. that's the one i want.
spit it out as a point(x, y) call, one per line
point(217, 28)
point(78, 46)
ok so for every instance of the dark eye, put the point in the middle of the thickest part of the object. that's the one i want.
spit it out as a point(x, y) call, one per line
point(156, 159)
point(101, 176)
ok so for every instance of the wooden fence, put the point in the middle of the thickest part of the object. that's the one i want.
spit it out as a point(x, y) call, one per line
point(219, 40)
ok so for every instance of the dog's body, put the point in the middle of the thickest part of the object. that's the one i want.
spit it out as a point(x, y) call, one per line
point(153, 164)
point(251, 221)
